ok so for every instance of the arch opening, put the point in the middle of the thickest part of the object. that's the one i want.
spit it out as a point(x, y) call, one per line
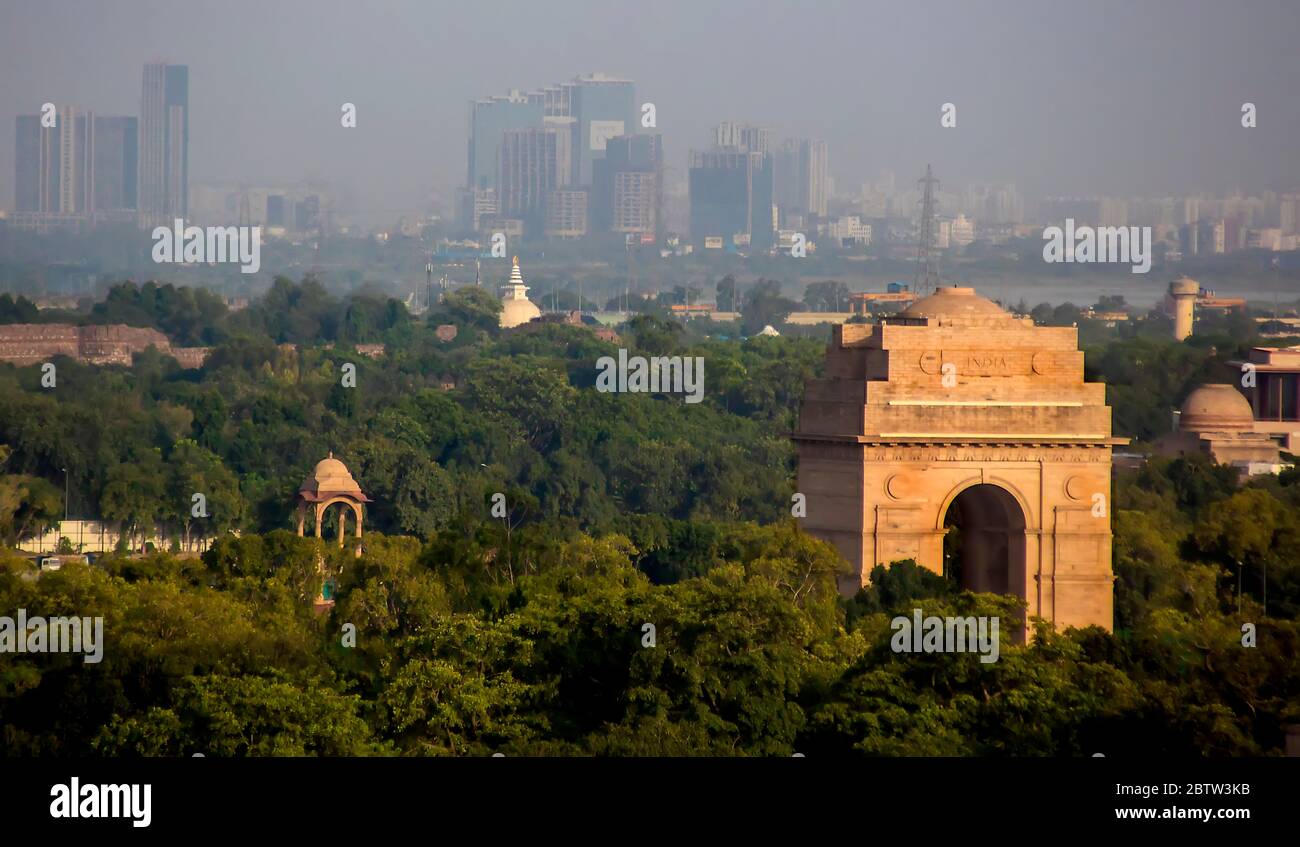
point(984, 541)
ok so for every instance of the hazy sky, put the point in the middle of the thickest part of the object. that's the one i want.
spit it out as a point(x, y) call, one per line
point(1134, 97)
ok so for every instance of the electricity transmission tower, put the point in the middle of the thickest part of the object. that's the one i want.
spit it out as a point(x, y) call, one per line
point(927, 261)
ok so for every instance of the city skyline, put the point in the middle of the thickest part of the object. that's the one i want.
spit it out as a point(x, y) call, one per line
point(263, 122)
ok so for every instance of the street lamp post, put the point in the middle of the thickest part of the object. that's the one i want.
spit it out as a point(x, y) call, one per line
point(1264, 564)
point(1239, 587)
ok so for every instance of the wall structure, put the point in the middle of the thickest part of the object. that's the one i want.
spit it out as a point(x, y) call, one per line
point(110, 344)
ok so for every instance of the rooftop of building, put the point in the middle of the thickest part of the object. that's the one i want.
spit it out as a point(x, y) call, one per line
point(1216, 407)
point(956, 306)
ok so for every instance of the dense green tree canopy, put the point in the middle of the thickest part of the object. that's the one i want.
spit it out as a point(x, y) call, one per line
point(643, 589)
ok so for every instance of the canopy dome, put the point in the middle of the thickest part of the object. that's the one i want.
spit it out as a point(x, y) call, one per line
point(330, 477)
point(1216, 408)
point(958, 306)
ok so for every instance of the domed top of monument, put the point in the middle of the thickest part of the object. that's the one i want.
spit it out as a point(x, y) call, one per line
point(516, 308)
point(1216, 408)
point(957, 306)
point(330, 477)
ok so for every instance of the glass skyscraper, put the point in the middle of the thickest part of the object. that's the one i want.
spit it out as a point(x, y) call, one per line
point(164, 144)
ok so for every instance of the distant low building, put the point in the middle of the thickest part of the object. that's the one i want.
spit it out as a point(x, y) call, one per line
point(691, 310)
point(101, 537)
point(866, 302)
point(573, 317)
point(814, 318)
point(1274, 392)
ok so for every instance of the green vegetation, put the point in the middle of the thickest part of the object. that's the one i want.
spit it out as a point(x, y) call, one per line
point(526, 635)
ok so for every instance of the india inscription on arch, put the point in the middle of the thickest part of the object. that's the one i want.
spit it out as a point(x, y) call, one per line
point(1014, 453)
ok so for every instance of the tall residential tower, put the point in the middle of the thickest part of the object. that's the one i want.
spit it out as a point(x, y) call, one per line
point(164, 144)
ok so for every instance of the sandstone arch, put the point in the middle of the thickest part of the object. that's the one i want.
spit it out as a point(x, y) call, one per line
point(886, 447)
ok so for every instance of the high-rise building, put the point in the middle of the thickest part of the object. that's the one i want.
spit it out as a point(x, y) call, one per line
point(636, 203)
point(566, 213)
point(801, 177)
point(1082, 210)
point(1289, 213)
point(962, 231)
point(588, 112)
point(733, 188)
point(556, 100)
point(82, 165)
point(306, 213)
point(720, 194)
point(533, 162)
point(1211, 237)
point(55, 166)
point(36, 166)
point(116, 163)
point(164, 163)
point(602, 108)
point(76, 161)
point(489, 120)
point(276, 213)
point(1112, 211)
point(731, 197)
point(730, 134)
point(627, 186)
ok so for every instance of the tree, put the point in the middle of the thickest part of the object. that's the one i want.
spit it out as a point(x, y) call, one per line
point(654, 335)
point(472, 306)
point(28, 505)
point(526, 390)
point(18, 310)
point(135, 495)
point(765, 306)
point(726, 294)
point(424, 497)
point(195, 470)
point(826, 296)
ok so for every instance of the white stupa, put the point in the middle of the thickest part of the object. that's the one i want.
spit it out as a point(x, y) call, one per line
point(516, 308)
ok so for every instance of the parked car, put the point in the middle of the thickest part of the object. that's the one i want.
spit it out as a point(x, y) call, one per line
point(53, 563)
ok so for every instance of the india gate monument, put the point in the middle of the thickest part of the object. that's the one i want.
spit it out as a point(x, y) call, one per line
point(957, 414)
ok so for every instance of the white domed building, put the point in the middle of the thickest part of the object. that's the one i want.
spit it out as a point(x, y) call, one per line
point(516, 308)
